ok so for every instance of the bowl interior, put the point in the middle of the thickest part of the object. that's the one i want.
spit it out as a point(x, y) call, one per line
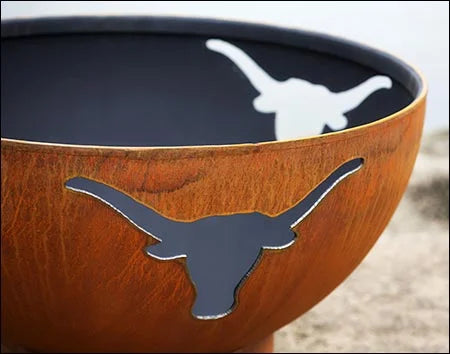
point(154, 89)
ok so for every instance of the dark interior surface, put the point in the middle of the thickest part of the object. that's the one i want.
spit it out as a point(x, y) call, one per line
point(144, 89)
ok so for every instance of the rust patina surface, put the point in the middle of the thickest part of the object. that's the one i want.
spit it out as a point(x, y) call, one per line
point(74, 276)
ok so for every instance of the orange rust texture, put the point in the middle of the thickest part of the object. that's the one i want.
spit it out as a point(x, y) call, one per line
point(74, 277)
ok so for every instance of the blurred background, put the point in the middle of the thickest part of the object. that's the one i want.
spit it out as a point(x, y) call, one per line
point(397, 300)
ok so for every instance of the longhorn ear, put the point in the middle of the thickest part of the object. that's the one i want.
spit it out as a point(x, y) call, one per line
point(337, 122)
point(164, 251)
point(264, 104)
point(279, 241)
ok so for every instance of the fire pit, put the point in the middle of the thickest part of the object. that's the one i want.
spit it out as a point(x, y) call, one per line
point(174, 184)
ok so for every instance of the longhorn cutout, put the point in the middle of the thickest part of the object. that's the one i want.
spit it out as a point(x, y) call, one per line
point(301, 108)
point(220, 251)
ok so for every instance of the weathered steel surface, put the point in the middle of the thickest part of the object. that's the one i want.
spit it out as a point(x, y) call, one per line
point(74, 276)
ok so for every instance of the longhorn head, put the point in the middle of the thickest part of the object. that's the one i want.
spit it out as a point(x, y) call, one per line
point(301, 108)
point(221, 251)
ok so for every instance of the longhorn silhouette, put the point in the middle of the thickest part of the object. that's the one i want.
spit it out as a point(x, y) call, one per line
point(301, 108)
point(221, 251)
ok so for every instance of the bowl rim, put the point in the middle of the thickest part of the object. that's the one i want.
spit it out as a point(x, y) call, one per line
point(184, 25)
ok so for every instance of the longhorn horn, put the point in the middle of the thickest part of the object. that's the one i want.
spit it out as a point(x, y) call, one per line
point(144, 218)
point(300, 211)
point(260, 80)
point(352, 98)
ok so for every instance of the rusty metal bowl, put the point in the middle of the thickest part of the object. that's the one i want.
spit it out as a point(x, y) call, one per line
point(175, 184)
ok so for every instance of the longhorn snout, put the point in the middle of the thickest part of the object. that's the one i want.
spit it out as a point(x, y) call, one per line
point(213, 301)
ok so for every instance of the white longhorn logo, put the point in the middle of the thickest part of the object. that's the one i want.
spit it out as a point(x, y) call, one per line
point(301, 108)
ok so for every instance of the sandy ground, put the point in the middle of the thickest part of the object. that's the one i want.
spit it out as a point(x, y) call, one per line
point(397, 300)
